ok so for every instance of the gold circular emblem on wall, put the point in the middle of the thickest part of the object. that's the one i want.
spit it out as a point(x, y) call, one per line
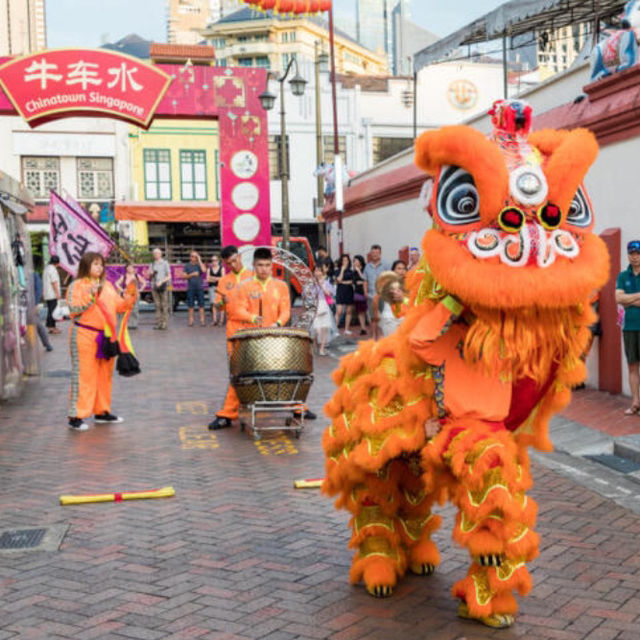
point(462, 94)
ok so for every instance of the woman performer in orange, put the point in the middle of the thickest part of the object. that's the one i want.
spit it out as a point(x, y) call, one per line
point(93, 305)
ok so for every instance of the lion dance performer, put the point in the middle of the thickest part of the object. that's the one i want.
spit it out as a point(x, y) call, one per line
point(488, 350)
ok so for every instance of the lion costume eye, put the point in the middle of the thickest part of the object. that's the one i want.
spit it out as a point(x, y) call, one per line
point(580, 214)
point(458, 199)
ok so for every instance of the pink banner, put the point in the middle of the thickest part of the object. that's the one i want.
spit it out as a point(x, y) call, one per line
point(72, 234)
point(231, 94)
point(195, 91)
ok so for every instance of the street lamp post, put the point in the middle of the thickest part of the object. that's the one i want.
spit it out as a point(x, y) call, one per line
point(267, 100)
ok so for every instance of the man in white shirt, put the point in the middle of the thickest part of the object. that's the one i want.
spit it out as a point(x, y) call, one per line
point(51, 291)
point(372, 271)
point(159, 272)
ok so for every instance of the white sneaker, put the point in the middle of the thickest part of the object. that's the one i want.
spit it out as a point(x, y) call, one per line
point(76, 424)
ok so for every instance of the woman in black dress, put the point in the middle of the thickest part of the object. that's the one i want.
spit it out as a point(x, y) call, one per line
point(360, 292)
point(344, 292)
point(214, 273)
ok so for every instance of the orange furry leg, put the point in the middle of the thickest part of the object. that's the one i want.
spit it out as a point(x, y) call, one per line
point(495, 520)
point(380, 558)
point(415, 520)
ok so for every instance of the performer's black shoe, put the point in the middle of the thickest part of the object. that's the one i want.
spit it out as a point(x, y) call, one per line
point(308, 415)
point(219, 423)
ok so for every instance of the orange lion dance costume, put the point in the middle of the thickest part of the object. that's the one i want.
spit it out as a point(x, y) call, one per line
point(488, 350)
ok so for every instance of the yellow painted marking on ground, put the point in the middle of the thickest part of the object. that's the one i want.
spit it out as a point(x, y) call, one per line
point(197, 437)
point(194, 407)
point(278, 446)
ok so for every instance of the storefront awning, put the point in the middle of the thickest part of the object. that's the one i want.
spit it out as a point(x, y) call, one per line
point(516, 18)
point(14, 206)
point(168, 211)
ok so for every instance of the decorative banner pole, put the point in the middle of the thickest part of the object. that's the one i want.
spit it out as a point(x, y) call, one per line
point(298, 7)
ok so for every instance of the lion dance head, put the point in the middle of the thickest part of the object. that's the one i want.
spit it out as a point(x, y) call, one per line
point(512, 234)
point(512, 222)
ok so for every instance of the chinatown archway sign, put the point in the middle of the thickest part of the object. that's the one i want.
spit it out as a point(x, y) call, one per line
point(76, 82)
point(60, 83)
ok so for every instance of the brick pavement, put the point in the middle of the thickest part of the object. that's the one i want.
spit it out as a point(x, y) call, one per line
point(602, 411)
point(238, 553)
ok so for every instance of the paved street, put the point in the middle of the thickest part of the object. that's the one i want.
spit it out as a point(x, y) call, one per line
point(238, 553)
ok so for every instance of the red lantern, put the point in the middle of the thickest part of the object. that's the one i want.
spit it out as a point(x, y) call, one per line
point(291, 6)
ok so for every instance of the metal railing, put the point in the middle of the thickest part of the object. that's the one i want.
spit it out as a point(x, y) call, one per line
point(174, 253)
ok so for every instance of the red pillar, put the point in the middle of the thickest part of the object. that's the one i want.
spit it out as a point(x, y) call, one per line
point(610, 350)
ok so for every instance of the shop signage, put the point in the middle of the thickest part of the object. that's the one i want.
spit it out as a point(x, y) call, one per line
point(63, 82)
point(463, 94)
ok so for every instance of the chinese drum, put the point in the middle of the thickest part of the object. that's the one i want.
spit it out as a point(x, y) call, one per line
point(271, 364)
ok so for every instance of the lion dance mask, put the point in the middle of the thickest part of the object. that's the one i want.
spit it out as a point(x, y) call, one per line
point(489, 348)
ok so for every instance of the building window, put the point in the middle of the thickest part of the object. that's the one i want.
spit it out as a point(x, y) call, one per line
point(274, 157)
point(193, 175)
point(262, 61)
point(218, 43)
point(245, 62)
point(41, 175)
point(157, 174)
point(384, 148)
point(95, 178)
point(328, 145)
point(286, 59)
point(221, 62)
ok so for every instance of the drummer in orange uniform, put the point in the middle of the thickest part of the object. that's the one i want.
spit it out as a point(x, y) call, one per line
point(264, 301)
point(226, 294)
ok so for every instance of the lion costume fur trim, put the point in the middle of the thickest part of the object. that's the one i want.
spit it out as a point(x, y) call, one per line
point(570, 154)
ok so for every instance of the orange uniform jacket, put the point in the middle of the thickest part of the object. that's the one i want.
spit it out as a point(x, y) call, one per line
point(91, 377)
point(269, 299)
point(227, 292)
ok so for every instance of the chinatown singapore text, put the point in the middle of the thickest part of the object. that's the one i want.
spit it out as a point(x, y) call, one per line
point(84, 75)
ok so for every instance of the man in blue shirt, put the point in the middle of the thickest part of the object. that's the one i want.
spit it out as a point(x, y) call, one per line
point(628, 295)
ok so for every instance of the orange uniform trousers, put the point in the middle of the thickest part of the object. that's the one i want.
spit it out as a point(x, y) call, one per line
point(231, 403)
point(92, 377)
point(227, 290)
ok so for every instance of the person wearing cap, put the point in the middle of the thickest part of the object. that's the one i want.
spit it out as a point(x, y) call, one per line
point(414, 257)
point(628, 295)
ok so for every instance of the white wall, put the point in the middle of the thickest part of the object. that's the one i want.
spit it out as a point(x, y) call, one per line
point(392, 227)
point(364, 115)
point(68, 139)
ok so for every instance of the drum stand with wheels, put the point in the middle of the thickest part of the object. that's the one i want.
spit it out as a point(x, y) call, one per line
point(285, 389)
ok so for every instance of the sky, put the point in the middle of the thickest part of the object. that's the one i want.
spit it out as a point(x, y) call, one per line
point(90, 23)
